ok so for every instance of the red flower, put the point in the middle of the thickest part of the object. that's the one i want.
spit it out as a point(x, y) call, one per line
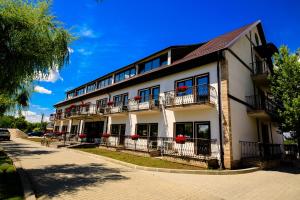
point(137, 98)
point(105, 135)
point(135, 137)
point(110, 103)
point(181, 88)
point(81, 136)
point(180, 139)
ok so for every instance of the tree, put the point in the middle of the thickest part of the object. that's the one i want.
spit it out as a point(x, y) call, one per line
point(285, 87)
point(32, 42)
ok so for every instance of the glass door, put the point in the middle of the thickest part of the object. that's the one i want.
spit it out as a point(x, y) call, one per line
point(202, 88)
point(202, 138)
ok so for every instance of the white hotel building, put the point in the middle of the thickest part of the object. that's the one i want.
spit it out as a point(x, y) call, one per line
point(216, 93)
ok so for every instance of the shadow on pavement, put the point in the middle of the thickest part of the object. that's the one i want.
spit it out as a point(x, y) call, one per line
point(286, 169)
point(57, 179)
point(17, 149)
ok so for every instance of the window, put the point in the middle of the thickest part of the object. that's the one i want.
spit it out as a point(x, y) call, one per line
point(202, 130)
point(101, 103)
point(56, 128)
point(70, 95)
point(125, 74)
point(91, 87)
point(184, 128)
point(147, 130)
point(152, 64)
point(186, 82)
point(146, 93)
point(105, 82)
point(121, 99)
point(80, 91)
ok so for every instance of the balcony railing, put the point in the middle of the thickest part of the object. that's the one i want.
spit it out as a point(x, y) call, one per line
point(145, 103)
point(199, 94)
point(258, 102)
point(118, 107)
point(260, 150)
point(197, 148)
point(88, 109)
point(52, 117)
point(260, 67)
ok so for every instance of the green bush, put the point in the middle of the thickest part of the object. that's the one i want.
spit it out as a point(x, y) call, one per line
point(11, 169)
point(4, 166)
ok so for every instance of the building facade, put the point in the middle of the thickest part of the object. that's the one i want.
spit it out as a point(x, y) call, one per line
point(215, 93)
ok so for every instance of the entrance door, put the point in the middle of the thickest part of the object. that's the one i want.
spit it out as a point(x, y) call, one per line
point(265, 140)
point(122, 133)
point(202, 138)
point(93, 130)
point(153, 133)
point(202, 89)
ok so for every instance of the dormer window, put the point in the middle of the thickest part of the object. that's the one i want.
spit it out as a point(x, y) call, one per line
point(80, 91)
point(125, 74)
point(91, 87)
point(153, 64)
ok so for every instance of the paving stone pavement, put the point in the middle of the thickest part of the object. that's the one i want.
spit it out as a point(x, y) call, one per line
point(67, 174)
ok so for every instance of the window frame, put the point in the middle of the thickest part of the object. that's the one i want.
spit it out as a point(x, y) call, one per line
point(150, 93)
point(188, 122)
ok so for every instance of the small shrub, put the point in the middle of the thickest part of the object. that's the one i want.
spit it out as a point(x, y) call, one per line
point(10, 169)
point(4, 166)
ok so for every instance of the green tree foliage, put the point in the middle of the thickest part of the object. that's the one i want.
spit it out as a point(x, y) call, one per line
point(285, 86)
point(32, 42)
point(20, 123)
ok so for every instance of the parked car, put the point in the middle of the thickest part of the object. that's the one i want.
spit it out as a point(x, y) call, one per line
point(36, 133)
point(4, 134)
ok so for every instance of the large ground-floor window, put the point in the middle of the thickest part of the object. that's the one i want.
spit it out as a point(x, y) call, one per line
point(193, 129)
point(184, 128)
point(118, 130)
point(147, 129)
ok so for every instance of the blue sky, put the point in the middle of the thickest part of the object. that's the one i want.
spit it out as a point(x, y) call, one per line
point(114, 33)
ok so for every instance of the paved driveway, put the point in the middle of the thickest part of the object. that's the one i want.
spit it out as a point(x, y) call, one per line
point(67, 174)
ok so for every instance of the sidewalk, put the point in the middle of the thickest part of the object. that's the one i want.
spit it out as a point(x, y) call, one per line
point(65, 174)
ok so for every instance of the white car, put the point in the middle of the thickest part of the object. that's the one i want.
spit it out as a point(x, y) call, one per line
point(4, 134)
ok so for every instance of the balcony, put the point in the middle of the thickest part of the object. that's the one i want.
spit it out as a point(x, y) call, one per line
point(262, 107)
point(146, 103)
point(81, 111)
point(118, 108)
point(204, 96)
point(52, 117)
point(261, 72)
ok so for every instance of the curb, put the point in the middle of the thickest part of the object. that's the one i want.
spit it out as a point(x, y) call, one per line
point(180, 171)
point(26, 185)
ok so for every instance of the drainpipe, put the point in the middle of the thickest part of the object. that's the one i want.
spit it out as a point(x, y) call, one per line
point(220, 113)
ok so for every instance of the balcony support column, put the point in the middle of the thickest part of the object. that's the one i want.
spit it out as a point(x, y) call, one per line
point(81, 126)
point(70, 126)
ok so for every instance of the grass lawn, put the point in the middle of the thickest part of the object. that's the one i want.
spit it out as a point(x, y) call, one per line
point(138, 160)
point(10, 184)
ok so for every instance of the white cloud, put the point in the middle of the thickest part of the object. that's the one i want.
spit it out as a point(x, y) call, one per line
point(52, 77)
point(42, 90)
point(38, 107)
point(86, 31)
point(34, 117)
point(85, 52)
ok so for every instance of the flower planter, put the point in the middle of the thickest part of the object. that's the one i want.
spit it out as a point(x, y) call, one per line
point(137, 98)
point(82, 136)
point(135, 137)
point(110, 103)
point(105, 135)
point(181, 88)
point(180, 139)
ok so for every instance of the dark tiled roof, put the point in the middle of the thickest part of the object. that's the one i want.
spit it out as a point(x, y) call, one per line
point(218, 43)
